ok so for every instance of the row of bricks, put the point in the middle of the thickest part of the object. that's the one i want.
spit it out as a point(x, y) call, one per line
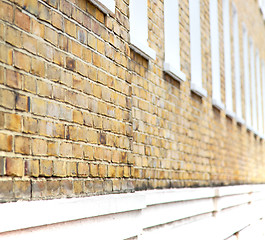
point(47, 168)
point(42, 147)
point(41, 188)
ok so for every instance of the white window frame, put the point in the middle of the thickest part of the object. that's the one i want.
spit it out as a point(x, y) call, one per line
point(263, 94)
point(246, 79)
point(195, 49)
point(139, 29)
point(239, 117)
point(106, 6)
point(227, 61)
point(172, 47)
point(253, 88)
point(215, 55)
point(260, 123)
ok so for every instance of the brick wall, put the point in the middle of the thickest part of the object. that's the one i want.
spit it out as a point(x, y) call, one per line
point(81, 113)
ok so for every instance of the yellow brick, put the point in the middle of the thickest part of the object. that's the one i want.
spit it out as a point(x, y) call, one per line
point(70, 28)
point(13, 36)
point(14, 167)
point(13, 122)
point(59, 168)
point(22, 145)
point(83, 169)
point(93, 170)
point(7, 99)
point(6, 142)
point(39, 147)
point(66, 149)
point(71, 169)
point(22, 61)
point(46, 168)
point(38, 67)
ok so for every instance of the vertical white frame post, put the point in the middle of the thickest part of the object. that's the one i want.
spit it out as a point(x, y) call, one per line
point(263, 94)
point(215, 55)
point(172, 47)
point(260, 122)
point(253, 87)
point(227, 60)
point(195, 48)
point(246, 79)
point(237, 67)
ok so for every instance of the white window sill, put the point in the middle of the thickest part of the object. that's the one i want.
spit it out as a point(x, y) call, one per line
point(142, 49)
point(106, 6)
point(174, 72)
point(230, 113)
point(240, 120)
point(249, 128)
point(218, 104)
point(200, 91)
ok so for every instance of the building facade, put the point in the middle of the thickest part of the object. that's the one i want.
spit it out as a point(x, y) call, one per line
point(151, 103)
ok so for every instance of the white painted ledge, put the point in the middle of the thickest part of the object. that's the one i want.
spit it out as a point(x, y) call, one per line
point(200, 91)
point(174, 72)
point(106, 6)
point(146, 214)
point(218, 104)
point(142, 49)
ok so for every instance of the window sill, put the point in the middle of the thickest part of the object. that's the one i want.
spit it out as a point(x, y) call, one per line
point(229, 113)
point(142, 49)
point(198, 90)
point(106, 6)
point(240, 120)
point(174, 72)
point(218, 104)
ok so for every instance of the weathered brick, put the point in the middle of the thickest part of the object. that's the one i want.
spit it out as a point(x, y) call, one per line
point(13, 79)
point(2, 166)
point(22, 189)
point(30, 125)
point(53, 148)
point(14, 167)
point(67, 187)
point(70, 28)
point(46, 168)
point(78, 187)
point(51, 36)
point(57, 20)
point(22, 145)
point(39, 147)
point(66, 149)
point(30, 84)
point(13, 36)
point(71, 168)
point(7, 98)
point(22, 61)
point(38, 188)
point(13, 122)
point(6, 190)
point(94, 170)
point(53, 188)
point(29, 43)
point(37, 28)
point(59, 168)
point(22, 103)
point(6, 142)
point(6, 11)
point(32, 168)
point(39, 106)
point(44, 13)
point(38, 67)
point(22, 20)
point(83, 169)
point(31, 6)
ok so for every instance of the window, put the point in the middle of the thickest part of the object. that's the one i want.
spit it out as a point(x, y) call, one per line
point(227, 60)
point(139, 29)
point(246, 78)
point(195, 48)
point(237, 67)
point(260, 123)
point(215, 56)
point(105, 6)
point(172, 48)
point(253, 88)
